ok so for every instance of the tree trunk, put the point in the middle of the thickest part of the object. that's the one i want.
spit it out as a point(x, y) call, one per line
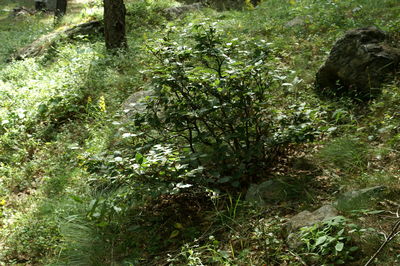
point(114, 24)
point(40, 5)
point(61, 8)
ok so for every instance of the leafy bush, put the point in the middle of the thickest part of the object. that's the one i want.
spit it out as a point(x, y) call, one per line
point(216, 97)
point(142, 14)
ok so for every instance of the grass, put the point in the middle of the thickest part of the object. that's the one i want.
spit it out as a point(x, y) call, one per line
point(62, 193)
point(18, 32)
point(346, 154)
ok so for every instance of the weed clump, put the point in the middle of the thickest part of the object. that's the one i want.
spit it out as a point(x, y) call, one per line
point(346, 154)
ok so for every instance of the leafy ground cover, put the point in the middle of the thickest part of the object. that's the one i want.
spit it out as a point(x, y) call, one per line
point(85, 181)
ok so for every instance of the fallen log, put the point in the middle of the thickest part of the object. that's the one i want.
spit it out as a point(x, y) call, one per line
point(41, 45)
point(22, 11)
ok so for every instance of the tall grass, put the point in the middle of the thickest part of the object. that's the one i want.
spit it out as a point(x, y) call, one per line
point(346, 154)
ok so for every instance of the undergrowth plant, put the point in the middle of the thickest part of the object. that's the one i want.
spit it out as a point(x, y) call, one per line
point(330, 242)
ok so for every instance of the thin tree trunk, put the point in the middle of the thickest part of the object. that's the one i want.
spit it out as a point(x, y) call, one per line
point(40, 5)
point(114, 24)
point(61, 8)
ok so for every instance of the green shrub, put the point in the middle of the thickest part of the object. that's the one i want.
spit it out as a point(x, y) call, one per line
point(215, 95)
point(143, 14)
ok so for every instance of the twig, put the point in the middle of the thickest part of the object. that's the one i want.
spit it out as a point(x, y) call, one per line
point(391, 236)
point(298, 258)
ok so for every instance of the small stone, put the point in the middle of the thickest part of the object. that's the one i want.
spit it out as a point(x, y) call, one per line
point(268, 192)
point(175, 12)
point(297, 21)
point(357, 198)
point(306, 218)
point(135, 102)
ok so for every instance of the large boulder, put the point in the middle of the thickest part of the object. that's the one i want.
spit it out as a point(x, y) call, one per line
point(358, 63)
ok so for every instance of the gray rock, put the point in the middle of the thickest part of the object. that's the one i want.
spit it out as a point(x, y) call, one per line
point(358, 198)
point(175, 12)
point(297, 21)
point(357, 63)
point(135, 103)
point(270, 191)
point(306, 218)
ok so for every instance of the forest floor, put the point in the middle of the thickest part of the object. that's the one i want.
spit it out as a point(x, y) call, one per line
point(84, 180)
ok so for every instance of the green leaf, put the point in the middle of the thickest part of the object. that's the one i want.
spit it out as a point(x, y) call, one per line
point(102, 224)
point(174, 234)
point(339, 246)
point(225, 179)
point(139, 158)
point(92, 205)
point(352, 249)
point(178, 226)
point(320, 240)
point(77, 199)
point(375, 211)
point(42, 108)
